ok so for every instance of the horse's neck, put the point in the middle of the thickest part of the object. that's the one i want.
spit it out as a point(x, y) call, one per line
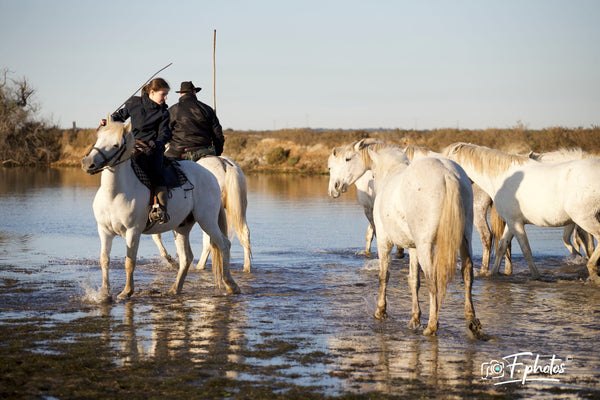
point(118, 180)
point(491, 182)
point(383, 171)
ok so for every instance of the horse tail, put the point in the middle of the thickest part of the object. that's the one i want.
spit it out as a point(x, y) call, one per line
point(498, 226)
point(217, 254)
point(450, 233)
point(235, 198)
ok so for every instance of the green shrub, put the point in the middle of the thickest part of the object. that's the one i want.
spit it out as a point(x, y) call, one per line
point(277, 155)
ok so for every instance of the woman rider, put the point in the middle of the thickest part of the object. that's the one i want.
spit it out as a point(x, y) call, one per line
point(150, 126)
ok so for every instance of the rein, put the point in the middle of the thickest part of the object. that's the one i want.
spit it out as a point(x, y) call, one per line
point(110, 161)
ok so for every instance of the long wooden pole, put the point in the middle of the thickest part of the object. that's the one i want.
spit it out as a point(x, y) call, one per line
point(214, 71)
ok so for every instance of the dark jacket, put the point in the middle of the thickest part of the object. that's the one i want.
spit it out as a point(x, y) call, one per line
point(149, 120)
point(193, 124)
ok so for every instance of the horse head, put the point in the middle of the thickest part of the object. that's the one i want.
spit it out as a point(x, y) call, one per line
point(113, 146)
point(345, 166)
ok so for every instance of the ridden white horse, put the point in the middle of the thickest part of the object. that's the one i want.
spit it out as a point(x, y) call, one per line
point(582, 240)
point(234, 195)
point(529, 192)
point(423, 206)
point(121, 207)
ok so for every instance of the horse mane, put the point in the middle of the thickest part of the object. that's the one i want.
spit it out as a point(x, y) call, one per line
point(564, 154)
point(415, 151)
point(483, 159)
point(363, 146)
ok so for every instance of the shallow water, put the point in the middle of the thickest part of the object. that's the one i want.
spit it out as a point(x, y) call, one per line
point(303, 324)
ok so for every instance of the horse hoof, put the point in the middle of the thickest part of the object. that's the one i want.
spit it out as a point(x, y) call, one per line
point(594, 280)
point(475, 330)
point(380, 314)
point(233, 289)
point(123, 296)
point(106, 299)
point(429, 331)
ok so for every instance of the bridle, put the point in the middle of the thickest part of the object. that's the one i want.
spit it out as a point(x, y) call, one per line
point(110, 161)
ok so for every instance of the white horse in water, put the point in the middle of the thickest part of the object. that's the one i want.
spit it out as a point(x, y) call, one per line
point(581, 239)
point(234, 195)
point(121, 208)
point(425, 207)
point(528, 192)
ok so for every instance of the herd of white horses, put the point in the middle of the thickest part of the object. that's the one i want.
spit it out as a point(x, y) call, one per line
point(414, 199)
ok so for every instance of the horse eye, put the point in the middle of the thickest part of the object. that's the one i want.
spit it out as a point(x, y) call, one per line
point(348, 158)
point(115, 146)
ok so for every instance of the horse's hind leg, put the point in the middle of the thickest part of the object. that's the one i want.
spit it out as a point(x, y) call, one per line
point(474, 329)
point(481, 204)
point(244, 237)
point(369, 239)
point(502, 246)
point(184, 252)
point(161, 248)
point(205, 252)
point(414, 283)
point(384, 249)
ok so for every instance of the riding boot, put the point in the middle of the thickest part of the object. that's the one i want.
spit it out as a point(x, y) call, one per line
point(159, 211)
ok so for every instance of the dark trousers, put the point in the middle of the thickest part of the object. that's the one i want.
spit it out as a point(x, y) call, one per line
point(152, 163)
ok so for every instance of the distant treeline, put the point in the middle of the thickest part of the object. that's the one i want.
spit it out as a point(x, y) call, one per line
point(25, 140)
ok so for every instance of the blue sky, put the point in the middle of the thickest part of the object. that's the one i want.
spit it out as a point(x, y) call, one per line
point(322, 64)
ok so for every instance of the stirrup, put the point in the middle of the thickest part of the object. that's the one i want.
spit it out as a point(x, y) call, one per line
point(158, 214)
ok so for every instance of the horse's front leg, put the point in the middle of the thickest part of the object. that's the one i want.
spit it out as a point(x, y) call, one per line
point(503, 245)
point(384, 248)
point(414, 283)
point(132, 239)
point(106, 240)
point(369, 239)
point(592, 265)
point(526, 249)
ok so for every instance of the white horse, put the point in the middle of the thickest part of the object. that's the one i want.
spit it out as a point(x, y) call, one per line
point(234, 195)
point(365, 195)
point(581, 239)
point(421, 207)
point(528, 192)
point(121, 208)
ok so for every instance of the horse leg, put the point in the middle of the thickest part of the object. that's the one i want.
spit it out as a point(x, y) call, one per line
point(474, 328)
point(106, 240)
point(486, 239)
point(384, 249)
point(526, 249)
point(566, 239)
point(502, 246)
point(132, 239)
point(369, 238)
point(161, 248)
point(243, 235)
point(184, 252)
point(508, 259)
point(432, 285)
point(592, 266)
point(481, 204)
point(414, 283)
point(205, 252)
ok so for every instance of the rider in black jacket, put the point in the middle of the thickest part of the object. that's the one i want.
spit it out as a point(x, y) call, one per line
point(195, 127)
point(150, 126)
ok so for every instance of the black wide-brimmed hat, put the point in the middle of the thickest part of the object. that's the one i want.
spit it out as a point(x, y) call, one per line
point(188, 87)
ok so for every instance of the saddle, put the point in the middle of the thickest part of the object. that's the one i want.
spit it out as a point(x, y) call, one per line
point(172, 172)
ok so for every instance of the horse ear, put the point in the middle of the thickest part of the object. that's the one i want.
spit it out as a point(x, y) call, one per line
point(372, 154)
point(108, 119)
point(334, 151)
point(360, 145)
point(127, 127)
